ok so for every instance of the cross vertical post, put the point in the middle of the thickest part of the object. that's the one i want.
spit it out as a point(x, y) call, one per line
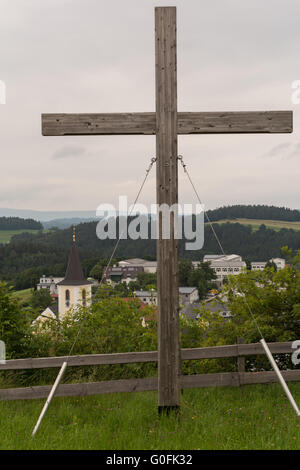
point(166, 123)
point(167, 194)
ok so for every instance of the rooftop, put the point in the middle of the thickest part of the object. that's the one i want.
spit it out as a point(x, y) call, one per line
point(74, 275)
point(186, 290)
point(226, 258)
point(138, 262)
point(145, 293)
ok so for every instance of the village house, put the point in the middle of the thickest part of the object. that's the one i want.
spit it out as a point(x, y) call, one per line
point(116, 274)
point(148, 266)
point(217, 304)
point(147, 297)
point(187, 295)
point(50, 283)
point(50, 313)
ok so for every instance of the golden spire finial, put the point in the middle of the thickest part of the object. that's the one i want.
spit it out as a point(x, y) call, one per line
point(74, 234)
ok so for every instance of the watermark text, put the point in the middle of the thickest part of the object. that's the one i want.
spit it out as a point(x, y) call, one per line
point(161, 222)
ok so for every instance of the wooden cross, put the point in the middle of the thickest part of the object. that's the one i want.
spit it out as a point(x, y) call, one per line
point(166, 123)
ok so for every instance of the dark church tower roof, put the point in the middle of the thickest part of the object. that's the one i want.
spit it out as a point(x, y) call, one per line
point(74, 275)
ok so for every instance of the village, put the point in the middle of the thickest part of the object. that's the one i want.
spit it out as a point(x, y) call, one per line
point(75, 291)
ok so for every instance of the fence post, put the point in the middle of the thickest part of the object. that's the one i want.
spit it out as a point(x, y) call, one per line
point(240, 362)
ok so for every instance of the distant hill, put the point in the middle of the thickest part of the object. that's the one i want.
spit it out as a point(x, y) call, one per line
point(16, 223)
point(30, 256)
point(256, 223)
point(226, 212)
point(254, 212)
point(47, 215)
point(66, 223)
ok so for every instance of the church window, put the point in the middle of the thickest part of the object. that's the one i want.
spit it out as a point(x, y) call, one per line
point(83, 297)
point(67, 298)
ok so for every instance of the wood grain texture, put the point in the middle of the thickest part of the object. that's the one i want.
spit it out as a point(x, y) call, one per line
point(81, 389)
point(241, 361)
point(256, 348)
point(212, 352)
point(268, 377)
point(224, 379)
point(239, 122)
point(98, 124)
point(167, 194)
point(84, 360)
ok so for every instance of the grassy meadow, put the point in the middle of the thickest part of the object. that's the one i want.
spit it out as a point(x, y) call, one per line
point(255, 223)
point(250, 417)
point(23, 295)
point(5, 235)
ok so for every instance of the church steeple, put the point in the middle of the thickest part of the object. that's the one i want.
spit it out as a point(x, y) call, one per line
point(74, 290)
point(74, 274)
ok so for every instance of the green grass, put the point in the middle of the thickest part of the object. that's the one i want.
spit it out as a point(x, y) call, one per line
point(23, 295)
point(255, 223)
point(5, 235)
point(250, 417)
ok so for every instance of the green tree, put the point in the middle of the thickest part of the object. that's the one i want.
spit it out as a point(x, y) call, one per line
point(272, 265)
point(292, 256)
point(97, 271)
point(40, 299)
point(144, 281)
point(121, 290)
point(111, 325)
point(248, 264)
point(271, 298)
point(185, 267)
point(107, 290)
point(28, 278)
point(202, 277)
point(14, 323)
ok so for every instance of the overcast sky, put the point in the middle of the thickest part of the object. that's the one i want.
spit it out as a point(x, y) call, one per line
point(98, 56)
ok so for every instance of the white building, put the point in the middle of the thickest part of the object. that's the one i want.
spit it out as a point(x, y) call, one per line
point(147, 297)
point(280, 262)
point(47, 314)
point(225, 265)
point(49, 283)
point(260, 265)
point(187, 295)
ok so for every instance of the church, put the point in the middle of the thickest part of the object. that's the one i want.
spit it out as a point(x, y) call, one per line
point(73, 291)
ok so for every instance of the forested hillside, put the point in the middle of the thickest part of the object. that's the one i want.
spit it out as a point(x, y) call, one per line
point(16, 223)
point(254, 212)
point(28, 256)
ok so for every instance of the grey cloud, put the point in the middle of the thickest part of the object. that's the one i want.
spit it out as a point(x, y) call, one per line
point(295, 152)
point(285, 150)
point(69, 151)
point(277, 150)
point(72, 56)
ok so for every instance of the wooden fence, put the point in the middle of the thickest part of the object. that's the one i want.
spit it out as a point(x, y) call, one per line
point(232, 379)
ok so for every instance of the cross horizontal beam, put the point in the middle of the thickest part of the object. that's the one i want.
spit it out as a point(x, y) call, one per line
point(239, 122)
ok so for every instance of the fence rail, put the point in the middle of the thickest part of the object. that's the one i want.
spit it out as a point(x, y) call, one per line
point(233, 379)
point(213, 352)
